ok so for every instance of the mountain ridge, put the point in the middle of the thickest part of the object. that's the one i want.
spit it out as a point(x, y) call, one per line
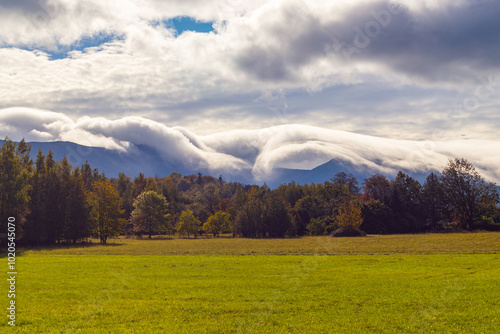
point(145, 159)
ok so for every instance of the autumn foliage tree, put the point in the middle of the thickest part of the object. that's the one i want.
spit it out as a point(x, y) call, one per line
point(349, 219)
point(350, 215)
point(105, 213)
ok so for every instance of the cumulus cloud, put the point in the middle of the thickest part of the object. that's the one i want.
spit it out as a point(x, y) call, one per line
point(261, 151)
point(392, 68)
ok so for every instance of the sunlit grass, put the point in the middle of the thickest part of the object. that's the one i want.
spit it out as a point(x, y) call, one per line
point(464, 243)
point(431, 283)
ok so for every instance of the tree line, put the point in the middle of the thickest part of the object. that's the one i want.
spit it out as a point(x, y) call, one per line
point(54, 202)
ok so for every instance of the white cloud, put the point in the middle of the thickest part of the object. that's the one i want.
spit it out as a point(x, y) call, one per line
point(416, 68)
point(262, 151)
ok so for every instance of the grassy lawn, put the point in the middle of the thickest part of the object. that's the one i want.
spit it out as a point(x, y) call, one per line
point(433, 283)
point(458, 243)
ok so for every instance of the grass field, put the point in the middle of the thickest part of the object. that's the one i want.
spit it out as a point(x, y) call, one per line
point(430, 283)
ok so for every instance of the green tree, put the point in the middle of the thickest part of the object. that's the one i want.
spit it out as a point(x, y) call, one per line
point(309, 207)
point(15, 188)
point(434, 202)
point(210, 197)
point(406, 203)
point(139, 185)
point(472, 198)
point(124, 187)
point(78, 227)
point(53, 229)
point(35, 223)
point(317, 226)
point(378, 218)
point(343, 179)
point(64, 170)
point(249, 221)
point(151, 185)
point(105, 214)
point(276, 216)
point(188, 224)
point(150, 215)
point(217, 223)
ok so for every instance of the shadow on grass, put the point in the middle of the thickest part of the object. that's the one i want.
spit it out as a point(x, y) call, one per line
point(145, 238)
point(21, 249)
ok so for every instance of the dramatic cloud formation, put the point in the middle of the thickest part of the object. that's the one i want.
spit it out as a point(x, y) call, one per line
point(262, 151)
point(417, 81)
point(402, 69)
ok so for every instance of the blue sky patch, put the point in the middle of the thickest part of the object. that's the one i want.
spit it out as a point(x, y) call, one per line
point(80, 45)
point(184, 23)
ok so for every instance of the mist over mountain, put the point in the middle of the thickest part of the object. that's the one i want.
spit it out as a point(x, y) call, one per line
point(147, 160)
point(272, 155)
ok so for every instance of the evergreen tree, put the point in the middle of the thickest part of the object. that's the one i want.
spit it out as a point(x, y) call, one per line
point(406, 203)
point(78, 227)
point(436, 209)
point(35, 224)
point(54, 212)
point(138, 185)
point(276, 216)
point(15, 176)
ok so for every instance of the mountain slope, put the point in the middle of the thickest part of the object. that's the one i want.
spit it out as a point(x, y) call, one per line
point(147, 160)
point(274, 155)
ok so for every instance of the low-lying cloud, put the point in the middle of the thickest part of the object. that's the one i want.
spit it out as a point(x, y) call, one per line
point(261, 151)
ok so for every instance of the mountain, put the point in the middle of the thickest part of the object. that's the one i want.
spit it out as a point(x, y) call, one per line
point(275, 155)
point(145, 159)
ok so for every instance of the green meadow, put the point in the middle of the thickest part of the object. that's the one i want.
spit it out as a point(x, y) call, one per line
point(429, 283)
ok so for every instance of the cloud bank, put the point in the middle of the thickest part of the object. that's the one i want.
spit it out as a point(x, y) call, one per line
point(260, 151)
point(337, 63)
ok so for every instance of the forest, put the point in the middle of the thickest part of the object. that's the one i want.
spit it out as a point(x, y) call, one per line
point(54, 202)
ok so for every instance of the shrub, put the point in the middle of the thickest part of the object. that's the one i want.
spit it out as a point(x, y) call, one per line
point(348, 231)
point(317, 226)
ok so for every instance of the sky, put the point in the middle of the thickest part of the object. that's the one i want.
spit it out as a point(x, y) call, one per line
point(424, 73)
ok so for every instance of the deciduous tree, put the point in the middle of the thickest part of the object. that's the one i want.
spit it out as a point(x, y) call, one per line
point(150, 215)
point(471, 197)
point(217, 223)
point(188, 224)
point(105, 214)
point(350, 215)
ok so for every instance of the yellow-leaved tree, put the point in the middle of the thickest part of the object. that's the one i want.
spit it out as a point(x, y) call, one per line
point(350, 215)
